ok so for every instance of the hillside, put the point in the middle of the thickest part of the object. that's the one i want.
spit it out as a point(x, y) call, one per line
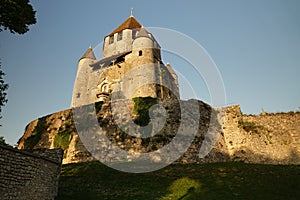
point(265, 138)
point(94, 180)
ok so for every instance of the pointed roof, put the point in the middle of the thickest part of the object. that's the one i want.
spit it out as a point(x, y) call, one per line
point(170, 69)
point(143, 33)
point(89, 54)
point(129, 23)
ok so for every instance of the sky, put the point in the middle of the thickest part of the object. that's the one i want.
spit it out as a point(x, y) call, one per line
point(255, 45)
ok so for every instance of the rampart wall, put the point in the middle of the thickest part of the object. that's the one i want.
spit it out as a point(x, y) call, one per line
point(29, 174)
point(265, 138)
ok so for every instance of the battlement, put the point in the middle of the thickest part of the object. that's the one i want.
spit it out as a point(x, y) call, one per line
point(122, 39)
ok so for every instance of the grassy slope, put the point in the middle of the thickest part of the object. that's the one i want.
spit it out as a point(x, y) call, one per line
point(208, 181)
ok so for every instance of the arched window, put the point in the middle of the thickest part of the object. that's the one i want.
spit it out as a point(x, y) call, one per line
point(140, 53)
point(104, 88)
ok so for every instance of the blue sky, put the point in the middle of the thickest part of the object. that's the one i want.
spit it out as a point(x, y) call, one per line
point(255, 45)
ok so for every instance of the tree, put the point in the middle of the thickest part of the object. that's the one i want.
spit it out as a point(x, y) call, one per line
point(3, 88)
point(16, 15)
point(2, 140)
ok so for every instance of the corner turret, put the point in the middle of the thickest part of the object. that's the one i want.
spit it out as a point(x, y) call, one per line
point(143, 40)
point(86, 60)
point(80, 98)
point(89, 54)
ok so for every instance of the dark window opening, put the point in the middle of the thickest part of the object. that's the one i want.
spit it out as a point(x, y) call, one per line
point(111, 39)
point(140, 53)
point(158, 93)
point(117, 60)
point(120, 36)
point(133, 34)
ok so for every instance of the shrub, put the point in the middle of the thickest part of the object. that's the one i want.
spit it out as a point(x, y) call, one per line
point(141, 108)
point(62, 139)
point(250, 126)
point(2, 141)
point(36, 135)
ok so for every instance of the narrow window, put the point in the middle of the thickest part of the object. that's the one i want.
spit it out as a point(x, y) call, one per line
point(140, 53)
point(120, 35)
point(111, 39)
point(134, 34)
point(104, 88)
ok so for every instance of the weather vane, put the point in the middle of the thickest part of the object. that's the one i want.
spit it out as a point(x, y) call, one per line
point(131, 11)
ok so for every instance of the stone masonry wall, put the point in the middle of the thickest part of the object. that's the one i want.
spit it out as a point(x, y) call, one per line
point(29, 175)
point(267, 138)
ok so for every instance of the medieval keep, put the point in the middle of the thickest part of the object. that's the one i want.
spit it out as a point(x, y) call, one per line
point(131, 59)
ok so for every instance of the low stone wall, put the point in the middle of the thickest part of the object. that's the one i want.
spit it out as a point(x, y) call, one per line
point(29, 175)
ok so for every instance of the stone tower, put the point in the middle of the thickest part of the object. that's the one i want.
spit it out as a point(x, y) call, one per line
point(131, 65)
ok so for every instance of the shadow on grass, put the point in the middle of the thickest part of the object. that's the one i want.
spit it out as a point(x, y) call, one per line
point(94, 180)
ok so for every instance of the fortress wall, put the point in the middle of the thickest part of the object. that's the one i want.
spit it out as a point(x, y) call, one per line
point(264, 138)
point(29, 175)
point(270, 138)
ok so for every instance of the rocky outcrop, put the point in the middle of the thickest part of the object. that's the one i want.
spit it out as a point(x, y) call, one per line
point(227, 134)
point(55, 131)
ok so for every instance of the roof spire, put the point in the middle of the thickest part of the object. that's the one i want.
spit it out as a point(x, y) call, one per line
point(130, 23)
point(131, 12)
point(89, 54)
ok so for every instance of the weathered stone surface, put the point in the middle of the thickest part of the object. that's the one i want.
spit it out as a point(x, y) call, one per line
point(268, 138)
point(29, 175)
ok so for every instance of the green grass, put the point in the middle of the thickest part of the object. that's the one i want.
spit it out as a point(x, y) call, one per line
point(208, 181)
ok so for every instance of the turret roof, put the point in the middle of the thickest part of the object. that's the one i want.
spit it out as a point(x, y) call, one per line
point(130, 23)
point(143, 33)
point(89, 54)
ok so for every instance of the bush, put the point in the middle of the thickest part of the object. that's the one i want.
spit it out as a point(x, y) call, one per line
point(141, 108)
point(36, 135)
point(62, 139)
point(2, 141)
point(250, 126)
